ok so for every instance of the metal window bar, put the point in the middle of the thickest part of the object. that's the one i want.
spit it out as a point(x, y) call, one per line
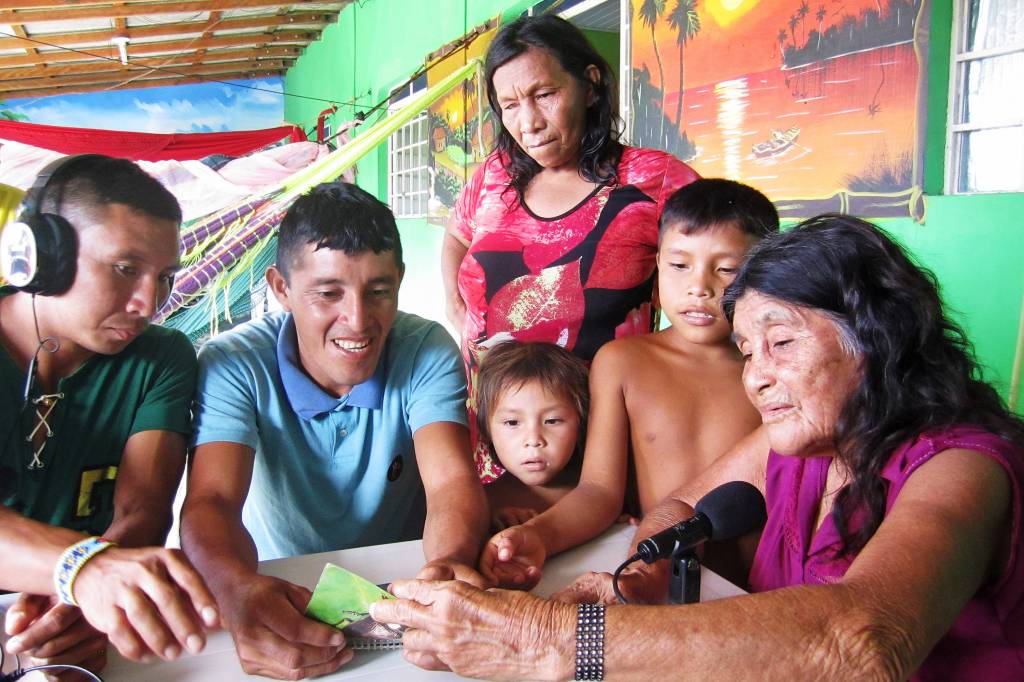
point(957, 129)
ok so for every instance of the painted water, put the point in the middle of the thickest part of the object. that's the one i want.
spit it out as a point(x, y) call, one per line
point(844, 123)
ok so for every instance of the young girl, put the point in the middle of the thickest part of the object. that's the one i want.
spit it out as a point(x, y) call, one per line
point(532, 406)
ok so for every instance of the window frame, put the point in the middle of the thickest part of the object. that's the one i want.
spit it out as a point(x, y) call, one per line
point(956, 132)
point(404, 95)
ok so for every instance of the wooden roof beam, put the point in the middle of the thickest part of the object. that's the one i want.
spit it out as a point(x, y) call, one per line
point(25, 11)
point(142, 83)
point(14, 88)
point(110, 54)
point(113, 65)
point(173, 47)
point(174, 29)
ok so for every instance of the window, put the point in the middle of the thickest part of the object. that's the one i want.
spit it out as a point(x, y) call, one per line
point(986, 123)
point(409, 158)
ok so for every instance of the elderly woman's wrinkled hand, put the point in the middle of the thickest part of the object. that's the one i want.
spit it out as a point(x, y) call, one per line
point(444, 569)
point(455, 626)
point(637, 586)
point(513, 558)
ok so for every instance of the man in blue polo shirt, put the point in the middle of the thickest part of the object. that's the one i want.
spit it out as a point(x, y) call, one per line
point(338, 423)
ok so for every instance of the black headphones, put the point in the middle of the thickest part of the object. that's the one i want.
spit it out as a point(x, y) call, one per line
point(38, 252)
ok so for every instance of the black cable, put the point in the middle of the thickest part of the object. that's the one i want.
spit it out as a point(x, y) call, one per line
point(20, 672)
point(615, 577)
point(53, 347)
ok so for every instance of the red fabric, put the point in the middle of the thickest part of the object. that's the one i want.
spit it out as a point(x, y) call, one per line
point(579, 280)
point(145, 146)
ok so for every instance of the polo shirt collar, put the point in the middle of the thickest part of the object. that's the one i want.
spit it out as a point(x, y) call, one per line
point(309, 400)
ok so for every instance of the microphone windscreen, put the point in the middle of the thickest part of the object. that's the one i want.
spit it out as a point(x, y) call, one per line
point(734, 509)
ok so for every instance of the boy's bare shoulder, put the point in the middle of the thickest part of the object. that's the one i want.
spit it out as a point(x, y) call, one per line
point(626, 348)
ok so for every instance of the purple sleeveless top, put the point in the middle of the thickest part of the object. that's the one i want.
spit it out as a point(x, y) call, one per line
point(987, 640)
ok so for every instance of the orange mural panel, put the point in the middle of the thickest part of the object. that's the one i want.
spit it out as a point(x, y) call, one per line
point(820, 105)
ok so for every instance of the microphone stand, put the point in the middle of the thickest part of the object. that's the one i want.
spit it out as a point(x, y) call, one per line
point(684, 583)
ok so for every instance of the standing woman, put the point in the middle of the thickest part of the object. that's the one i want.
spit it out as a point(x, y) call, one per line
point(554, 237)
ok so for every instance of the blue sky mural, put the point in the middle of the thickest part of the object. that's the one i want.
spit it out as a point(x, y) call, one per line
point(197, 108)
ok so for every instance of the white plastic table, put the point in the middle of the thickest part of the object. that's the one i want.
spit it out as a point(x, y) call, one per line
point(379, 564)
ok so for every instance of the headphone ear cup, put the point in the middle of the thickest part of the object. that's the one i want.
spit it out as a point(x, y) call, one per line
point(56, 246)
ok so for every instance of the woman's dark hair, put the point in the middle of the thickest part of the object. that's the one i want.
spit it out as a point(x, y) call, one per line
point(600, 149)
point(710, 202)
point(511, 364)
point(338, 216)
point(918, 368)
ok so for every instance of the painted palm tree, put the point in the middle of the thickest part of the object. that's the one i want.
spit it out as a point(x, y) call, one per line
point(10, 115)
point(686, 22)
point(782, 42)
point(802, 12)
point(793, 21)
point(820, 16)
point(650, 11)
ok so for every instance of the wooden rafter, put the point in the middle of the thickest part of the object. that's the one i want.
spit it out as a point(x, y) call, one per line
point(269, 21)
point(277, 54)
point(109, 53)
point(172, 47)
point(168, 41)
point(25, 11)
point(142, 83)
point(15, 88)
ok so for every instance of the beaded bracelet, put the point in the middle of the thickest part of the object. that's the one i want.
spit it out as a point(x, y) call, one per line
point(71, 563)
point(590, 641)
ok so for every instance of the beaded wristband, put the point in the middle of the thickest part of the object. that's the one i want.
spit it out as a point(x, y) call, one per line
point(71, 562)
point(590, 641)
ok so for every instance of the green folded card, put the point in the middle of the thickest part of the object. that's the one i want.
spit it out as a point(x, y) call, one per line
point(342, 599)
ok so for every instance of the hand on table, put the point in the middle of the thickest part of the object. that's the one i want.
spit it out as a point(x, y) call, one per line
point(148, 601)
point(444, 569)
point(272, 635)
point(514, 558)
point(637, 586)
point(47, 632)
point(493, 634)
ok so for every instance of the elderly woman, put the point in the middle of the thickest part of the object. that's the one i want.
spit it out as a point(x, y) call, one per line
point(555, 236)
point(893, 478)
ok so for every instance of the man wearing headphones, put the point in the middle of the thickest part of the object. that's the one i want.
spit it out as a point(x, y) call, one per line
point(94, 420)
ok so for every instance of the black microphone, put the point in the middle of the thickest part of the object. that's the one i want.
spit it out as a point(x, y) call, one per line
point(730, 510)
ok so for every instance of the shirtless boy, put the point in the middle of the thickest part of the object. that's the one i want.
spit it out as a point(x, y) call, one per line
point(674, 399)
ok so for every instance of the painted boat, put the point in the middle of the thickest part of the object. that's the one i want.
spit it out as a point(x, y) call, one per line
point(778, 142)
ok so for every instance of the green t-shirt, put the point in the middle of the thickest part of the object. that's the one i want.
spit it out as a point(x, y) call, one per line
point(147, 386)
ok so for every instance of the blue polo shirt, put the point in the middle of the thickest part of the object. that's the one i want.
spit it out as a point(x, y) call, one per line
point(330, 473)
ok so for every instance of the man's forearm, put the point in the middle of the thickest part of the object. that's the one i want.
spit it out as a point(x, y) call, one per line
point(217, 543)
point(29, 550)
point(142, 526)
point(456, 524)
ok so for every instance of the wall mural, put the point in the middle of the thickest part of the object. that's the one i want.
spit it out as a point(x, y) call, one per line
point(462, 130)
point(195, 108)
point(819, 104)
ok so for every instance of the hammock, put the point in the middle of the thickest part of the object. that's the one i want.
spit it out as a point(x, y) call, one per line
point(224, 254)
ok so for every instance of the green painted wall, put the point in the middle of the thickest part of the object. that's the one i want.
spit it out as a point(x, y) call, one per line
point(372, 49)
point(974, 244)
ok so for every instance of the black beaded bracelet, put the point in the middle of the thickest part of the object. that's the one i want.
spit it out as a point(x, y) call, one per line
point(590, 641)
